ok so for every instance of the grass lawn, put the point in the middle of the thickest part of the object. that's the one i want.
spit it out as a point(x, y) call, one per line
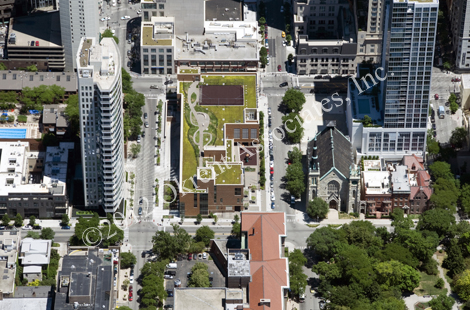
point(189, 71)
point(205, 173)
point(414, 216)
point(346, 216)
point(421, 306)
point(84, 212)
point(231, 174)
point(231, 114)
point(193, 97)
point(426, 285)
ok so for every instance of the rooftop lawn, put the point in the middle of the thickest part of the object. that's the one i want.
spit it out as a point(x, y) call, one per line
point(206, 173)
point(231, 174)
point(189, 157)
point(189, 71)
point(147, 38)
point(231, 114)
point(229, 151)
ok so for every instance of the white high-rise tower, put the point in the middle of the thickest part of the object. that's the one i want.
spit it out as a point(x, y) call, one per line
point(101, 122)
point(78, 18)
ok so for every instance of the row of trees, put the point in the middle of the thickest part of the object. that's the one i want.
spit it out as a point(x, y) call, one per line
point(153, 291)
point(293, 100)
point(35, 98)
point(89, 232)
point(295, 174)
point(199, 276)
point(133, 103)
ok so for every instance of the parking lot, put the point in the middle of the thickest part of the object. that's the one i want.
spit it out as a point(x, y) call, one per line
point(184, 266)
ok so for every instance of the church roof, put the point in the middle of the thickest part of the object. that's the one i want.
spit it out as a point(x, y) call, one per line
point(334, 151)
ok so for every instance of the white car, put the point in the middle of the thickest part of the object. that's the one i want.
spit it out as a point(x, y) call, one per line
point(271, 164)
point(108, 18)
point(27, 227)
point(104, 19)
point(131, 279)
point(284, 43)
point(167, 276)
point(269, 111)
point(204, 255)
point(139, 11)
point(272, 197)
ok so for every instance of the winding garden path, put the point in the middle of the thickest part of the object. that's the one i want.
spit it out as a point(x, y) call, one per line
point(202, 119)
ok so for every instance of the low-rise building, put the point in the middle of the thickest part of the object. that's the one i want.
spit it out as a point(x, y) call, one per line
point(54, 120)
point(35, 40)
point(404, 185)
point(85, 281)
point(32, 182)
point(35, 255)
point(208, 298)
point(9, 243)
point(264, 235)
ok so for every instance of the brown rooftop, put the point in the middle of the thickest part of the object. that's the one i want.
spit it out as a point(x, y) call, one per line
point(221, 95)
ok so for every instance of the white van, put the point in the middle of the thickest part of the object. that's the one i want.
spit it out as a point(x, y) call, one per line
point(302, 298)
point(172, 266)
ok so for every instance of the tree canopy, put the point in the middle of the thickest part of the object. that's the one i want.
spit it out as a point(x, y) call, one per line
point(438, 220)
point(295, 179)
point(127, 260)
point(47, 233)
point(293, 124)
point(167, 246)
point(204, 234)
point(442, 302)
point(317, 208)
point(458, 137)
point(295, 156)
point(294, 100)
point(297, 278)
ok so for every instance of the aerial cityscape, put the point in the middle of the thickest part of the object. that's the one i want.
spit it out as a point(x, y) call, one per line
point(235, 154)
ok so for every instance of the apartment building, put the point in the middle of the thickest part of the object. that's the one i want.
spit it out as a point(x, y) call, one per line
point(157, 45)
point(101, 122)
point(77, 19)
point(326, 37)
point(6, 9)
point(399, 104)
point(371, 18)
point(460, 27)
point(33, 183)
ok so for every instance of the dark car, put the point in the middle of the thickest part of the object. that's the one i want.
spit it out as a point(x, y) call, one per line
point(32, 43)
point(434, 126)
point(283, 84)
point(143, 254)
point(168, 306)
point(66, 227)
point(188, 275)
point(170, 293)
point(146, 115)
point(211, 279)
point(168, 82)
point(272, 205)
point(132, 272)
point(140, 210)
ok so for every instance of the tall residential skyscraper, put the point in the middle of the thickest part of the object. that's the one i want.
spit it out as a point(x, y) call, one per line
point(78, 18)
point(370, 20)
point(400, 123)
point(460, 26)
point(101, 122)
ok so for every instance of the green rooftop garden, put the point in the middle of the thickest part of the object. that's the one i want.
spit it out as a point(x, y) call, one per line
point(231, 114)
point(228, 153)
point(189, 148)
point(147, 38)
point(206, 173)
point(189, 71)
point(228, 174)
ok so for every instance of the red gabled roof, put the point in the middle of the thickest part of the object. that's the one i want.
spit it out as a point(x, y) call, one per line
point(268, 270)
point(413, 162)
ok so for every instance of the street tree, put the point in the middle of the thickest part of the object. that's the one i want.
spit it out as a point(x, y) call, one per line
point(262, 21)
point(395, 251)
point(109, 34)
point(399, 219)
point(236, 229)
point(438, 220)
point(127, 260)
point(6, 220)
point(395, 274)
point(458, 137)
point(432, 145)
point(199, 218)
point(294, 100)
point(204, 234)
point(236, 218)
point(126, 81)
point(454, 260)
point(445, 195)
point(326, 242)
point(47, 233)
point(32, 220)
point(87, 230)
point(135, 149)
point(293, 125)
point(442, 302)
point(18, 220)
point(199, 278)
point(295, 179)
point(465, 198)
point(317, 208)
point(441, 169)
point(65, 220)
point(295, 156)
point(297, 278)
point(125, 283)
point(446, 66)
point(33, 234)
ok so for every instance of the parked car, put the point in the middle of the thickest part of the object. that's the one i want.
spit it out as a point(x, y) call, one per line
point(283, 34)
point(269, 111)
point(190, 256)
point(146, 124)
point(140, 210)
point(272, 197)
point(168, 276)
point(37, 43)
point(282, 9)
point(436, 96)
point(153, 87)
point(272, 170)
point(66, 227)
point(27, 227)
point(188, 275)
point(169, 293)
point(168, 306)
point(131, 279)
point(204, 255)
point(272, 205)
point(279, 68)
point(138, 138)
point(283, 84)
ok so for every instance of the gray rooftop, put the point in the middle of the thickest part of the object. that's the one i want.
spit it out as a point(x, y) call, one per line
point(238, 263)
point(223, 10)
point(80, 284)
point(44, 28)
point(400, 180)
point(26, 304)
point(8, 260)
point(205, 298)
point(17, 80)
point(81, 263)
point(53, 114)
point(33, 291)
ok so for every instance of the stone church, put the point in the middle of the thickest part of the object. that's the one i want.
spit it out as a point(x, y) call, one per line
point(333, 174)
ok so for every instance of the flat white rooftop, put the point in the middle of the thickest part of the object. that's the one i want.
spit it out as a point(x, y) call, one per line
point(376, 182)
